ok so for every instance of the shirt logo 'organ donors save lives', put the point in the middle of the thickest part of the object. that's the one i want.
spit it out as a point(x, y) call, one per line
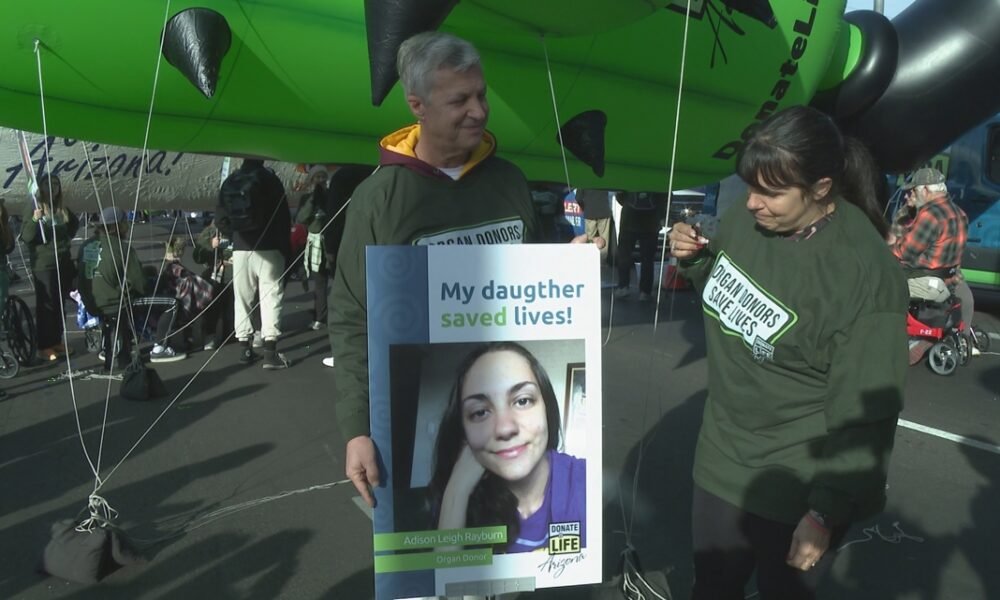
point(507, 231)
point(742, 307)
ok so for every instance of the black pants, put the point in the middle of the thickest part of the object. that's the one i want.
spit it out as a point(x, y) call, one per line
point(109, 328)
point(165, 310)
point(220, 318)
point(647, 250)
point(729, 544)
point(49, 319)
point(322, 289)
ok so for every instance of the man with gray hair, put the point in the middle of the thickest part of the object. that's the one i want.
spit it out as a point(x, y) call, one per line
point(928, 237)
point(439, 181)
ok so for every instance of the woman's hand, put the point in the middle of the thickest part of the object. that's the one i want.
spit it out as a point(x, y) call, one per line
point(37, 215)
point(215, 241)
point(466, 474)
point(685, 241)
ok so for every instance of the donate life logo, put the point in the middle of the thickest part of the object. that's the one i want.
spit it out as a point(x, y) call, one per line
point(745, 309)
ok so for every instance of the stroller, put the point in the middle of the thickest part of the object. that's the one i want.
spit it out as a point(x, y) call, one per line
point(940, 323)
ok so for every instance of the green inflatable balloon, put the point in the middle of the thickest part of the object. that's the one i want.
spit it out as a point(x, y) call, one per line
point(291, 81)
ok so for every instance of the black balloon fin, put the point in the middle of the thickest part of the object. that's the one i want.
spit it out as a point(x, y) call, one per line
point(583, 135)
point(389, 24)
point(195, 42)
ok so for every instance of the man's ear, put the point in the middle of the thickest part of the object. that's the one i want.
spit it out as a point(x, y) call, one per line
point(821, 188)
point(417, 106)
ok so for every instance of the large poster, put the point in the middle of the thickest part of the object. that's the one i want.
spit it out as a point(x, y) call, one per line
point(485, 375)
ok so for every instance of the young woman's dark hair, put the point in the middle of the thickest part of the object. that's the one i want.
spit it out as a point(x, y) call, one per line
point(492, 502)
point(801, 145)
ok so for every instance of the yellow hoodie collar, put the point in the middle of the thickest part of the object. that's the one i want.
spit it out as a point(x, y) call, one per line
point(404, 141)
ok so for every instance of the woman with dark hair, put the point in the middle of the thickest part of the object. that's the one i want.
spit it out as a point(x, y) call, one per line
point(48, 231)
point(807, 355)
point(496, 459)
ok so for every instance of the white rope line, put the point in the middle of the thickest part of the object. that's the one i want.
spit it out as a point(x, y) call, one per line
point(121, 252)
point(670, 189)
point(55, 249)
point(673, 159)
point(159, 275)
point(216, 352)
point(562, 151)
point(217, 295)
point(95, 502)
point(144, 160)
point(121, 285)
point(555, 110)
point(215, 515)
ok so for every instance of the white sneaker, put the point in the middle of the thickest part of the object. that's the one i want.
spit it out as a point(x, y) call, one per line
point(258, 340)
point(644, 297)
point(328, 361)
point(166, 354)
point(317, 325)
point(623, 292)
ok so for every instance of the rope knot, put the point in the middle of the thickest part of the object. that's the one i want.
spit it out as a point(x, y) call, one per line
point(101, 514)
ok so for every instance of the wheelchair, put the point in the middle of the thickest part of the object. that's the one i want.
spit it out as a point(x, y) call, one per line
point(17, 337)
point(941, 324)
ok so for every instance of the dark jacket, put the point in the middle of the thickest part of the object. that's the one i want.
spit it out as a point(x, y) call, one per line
point(276, 233)
point(100, 266)
point(42, 253)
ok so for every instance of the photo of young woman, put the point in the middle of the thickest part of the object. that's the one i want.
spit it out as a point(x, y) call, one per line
point(497, 458)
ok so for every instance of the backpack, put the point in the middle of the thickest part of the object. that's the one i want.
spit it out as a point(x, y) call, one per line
point(242, 196)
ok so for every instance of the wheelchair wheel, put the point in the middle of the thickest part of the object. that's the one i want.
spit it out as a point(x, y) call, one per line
point(8, 365)
point(980, 340)
point(942, 358)
point(20, 326)
point(963, 344)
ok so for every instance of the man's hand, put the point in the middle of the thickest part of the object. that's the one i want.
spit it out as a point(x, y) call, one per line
point(361, 468)
point(599, 242)
point(809, 543)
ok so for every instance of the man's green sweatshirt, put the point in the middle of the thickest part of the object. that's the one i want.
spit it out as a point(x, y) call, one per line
point(100, 270)
point(406, 202)
point(807, 354)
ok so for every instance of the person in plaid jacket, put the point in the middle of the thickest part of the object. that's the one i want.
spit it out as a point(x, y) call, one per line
point(928, 236)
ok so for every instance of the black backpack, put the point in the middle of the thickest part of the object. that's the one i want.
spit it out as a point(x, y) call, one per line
point(243, 195)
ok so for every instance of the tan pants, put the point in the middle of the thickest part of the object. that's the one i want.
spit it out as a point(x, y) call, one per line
point(599, 228)
point(928, 288)
point(258, 272)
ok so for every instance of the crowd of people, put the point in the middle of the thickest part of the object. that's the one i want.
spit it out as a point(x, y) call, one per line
point(806, 376)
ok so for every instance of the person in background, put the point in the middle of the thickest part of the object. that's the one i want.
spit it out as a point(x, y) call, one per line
point(193, 293)
point(343, 182)
point(597, 219)
point(48, 230)
point(805, 331)
point(928, 238)
point(214, 249)
point(312, 214)
point(261, 249)
point(108, 284)
point(641, 220)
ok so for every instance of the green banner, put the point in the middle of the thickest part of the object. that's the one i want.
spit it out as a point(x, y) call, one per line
point(413, 540)
point(423, 561)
